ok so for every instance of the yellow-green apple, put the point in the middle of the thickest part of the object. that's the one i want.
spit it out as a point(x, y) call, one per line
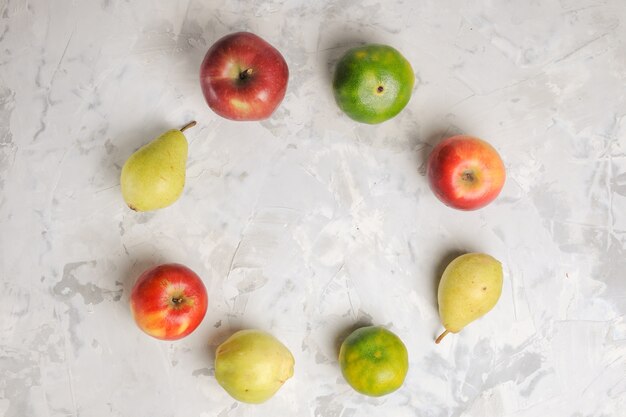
point(465, 172)
point(243, 77)
point(168, 301)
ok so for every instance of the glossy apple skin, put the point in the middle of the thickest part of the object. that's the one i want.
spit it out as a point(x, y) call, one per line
point(465, 172)
point(168, 301)
point(243, 77)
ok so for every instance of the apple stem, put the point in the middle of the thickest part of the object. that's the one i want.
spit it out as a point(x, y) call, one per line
point(468, 176)
point(188, 125)
point(245, 73)
point(441, 336)
point(177, 300)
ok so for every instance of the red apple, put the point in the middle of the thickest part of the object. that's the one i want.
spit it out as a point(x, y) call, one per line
point(243, 77)
point(168, 301)
point(465, 173)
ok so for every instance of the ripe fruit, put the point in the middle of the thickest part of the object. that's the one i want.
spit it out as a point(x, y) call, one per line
point(470, 286)
point(465, 173)
point(252, 365)
point(243, 77)
point(169, 301)
point(154, 176)
point(373, 83)
point(374, 361)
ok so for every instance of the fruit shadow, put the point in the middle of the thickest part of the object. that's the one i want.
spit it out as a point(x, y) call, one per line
point(220, 337)
point(128, 276)
point(429, 141)
point(445, 260)
point(133, 270)
point(345, 332)
point(125, 144)
point(334, 52)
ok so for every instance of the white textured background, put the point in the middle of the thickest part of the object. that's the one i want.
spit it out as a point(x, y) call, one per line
point(309, 223)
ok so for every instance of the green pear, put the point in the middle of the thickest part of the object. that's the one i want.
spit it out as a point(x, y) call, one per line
point(154, 176)
point(252, 365)
point(470, 286)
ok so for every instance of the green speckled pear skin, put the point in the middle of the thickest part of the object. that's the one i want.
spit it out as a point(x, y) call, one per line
point(469, 288)
point(373, 83)
point(154, 176)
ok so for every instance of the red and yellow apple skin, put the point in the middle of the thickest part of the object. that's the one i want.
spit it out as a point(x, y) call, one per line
point(465, 172)
point(168, 301)
point(243, 77)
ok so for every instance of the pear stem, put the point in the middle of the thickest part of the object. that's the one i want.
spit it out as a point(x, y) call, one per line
point(441, 336)
point(188, 125)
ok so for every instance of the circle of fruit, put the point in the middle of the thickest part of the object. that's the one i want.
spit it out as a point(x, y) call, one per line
point(374, 361)
point(373, 83)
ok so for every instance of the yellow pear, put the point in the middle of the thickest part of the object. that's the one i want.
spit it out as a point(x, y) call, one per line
point(252, 365)
point(154, 176)
point(470, 286)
